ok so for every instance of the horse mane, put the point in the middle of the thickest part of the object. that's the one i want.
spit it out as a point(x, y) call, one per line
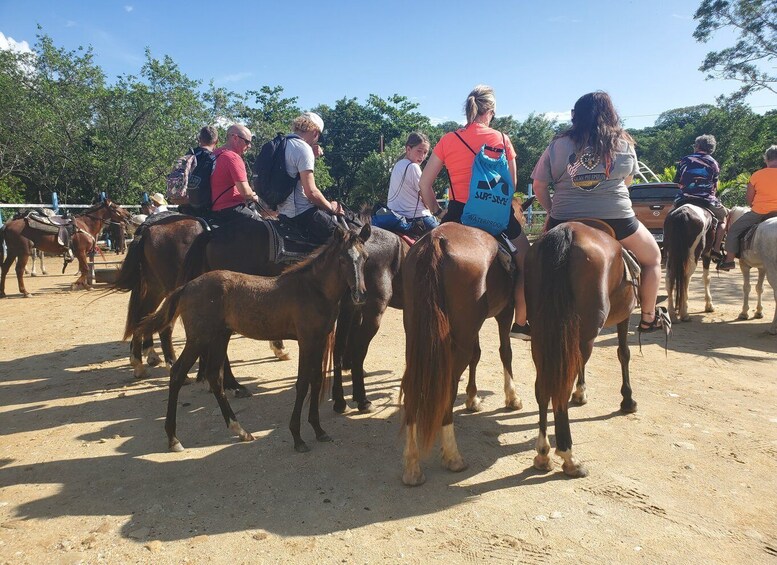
point(329, 247)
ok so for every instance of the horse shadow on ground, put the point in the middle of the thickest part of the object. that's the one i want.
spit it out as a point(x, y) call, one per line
point(220, 486)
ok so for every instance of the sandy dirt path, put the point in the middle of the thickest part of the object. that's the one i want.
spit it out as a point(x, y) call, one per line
point(85, 476)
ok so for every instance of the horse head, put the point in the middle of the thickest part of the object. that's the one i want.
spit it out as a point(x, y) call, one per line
point(352, 255)
point(117, 213)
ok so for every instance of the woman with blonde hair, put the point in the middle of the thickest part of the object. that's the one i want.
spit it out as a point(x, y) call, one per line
point(457, 151)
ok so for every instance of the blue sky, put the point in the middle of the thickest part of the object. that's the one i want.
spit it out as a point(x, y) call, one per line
point(539, 56)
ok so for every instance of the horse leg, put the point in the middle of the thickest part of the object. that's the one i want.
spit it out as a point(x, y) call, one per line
point(279, 350)
point(177, 378)
point(316, 377)
point(358, 345)
point(683, 306)
point(21, 263)
point(771, 276)
point(4, 271)
point(745, 313)
point(41, 254)
point(628, 404)
point(473, 402)
point(451, 458)
point(759, 290)
point(307, 367)
point(33, 257)
point(504, 321)
point(579, 396)
point(708, 306)
point(217, 354)
point(542, 460)
point(342, 333)
point(136, 357)
point(166, 339)
point(230, 382)
point(571, 466)
point(152, 357)
point(83, 269)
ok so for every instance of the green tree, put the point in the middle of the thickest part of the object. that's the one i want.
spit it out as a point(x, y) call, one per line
point(747, 61)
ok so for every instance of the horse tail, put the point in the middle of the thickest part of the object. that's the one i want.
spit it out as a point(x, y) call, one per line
point(194, 264)
point(427, 383)
point(130, 279)
point(164, 317)
point(555, 324)
point(677, 244)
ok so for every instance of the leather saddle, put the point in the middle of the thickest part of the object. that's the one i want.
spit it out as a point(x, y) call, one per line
point(287, 243)
point(63, 226)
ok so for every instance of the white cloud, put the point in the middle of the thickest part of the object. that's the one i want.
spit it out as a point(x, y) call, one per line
point(10, 44)
point(558, 116)
point(129, 8)
point(235, 77)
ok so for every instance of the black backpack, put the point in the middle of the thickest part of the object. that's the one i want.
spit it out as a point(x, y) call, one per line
point(271, 181)
point(198, 185)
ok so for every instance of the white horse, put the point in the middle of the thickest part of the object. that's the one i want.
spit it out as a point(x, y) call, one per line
point(763, 256)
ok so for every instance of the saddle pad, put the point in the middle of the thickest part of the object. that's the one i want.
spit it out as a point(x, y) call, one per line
point(36, 223)
point(286, 243)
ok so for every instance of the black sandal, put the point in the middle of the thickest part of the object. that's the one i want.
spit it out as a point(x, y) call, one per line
point(716, 255)
point(649, 327)
point(726, 265)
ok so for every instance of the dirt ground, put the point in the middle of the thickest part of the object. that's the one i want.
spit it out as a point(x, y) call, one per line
point(85, 475)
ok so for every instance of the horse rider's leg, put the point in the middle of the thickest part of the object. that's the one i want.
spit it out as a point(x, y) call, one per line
point(306, 367)
point(342, 332)
point(412, 474)
point(571, 466)
point(645, 248)
point(504, 320)
point(217, 352)
point(542, 460)
point(759, 290)
point(230, 382)
point(177, 378)
point(628, 404)
point(21, 263)
point(745, 268)
point(522, 248)
point(316, 382)
point(462, 355)
point(579, 395)
point(166, 340)
point(705, 263)
point(720, 232)
point(358, 345)
point(279, 350)
point(473, 401)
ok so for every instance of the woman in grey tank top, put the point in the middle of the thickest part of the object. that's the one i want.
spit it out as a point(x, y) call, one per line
point(590, 166)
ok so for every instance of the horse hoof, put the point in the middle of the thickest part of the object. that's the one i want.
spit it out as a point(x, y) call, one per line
point(513, 404)
point(474, 404)
point(758, 315)
point(413, 478)
point(685, 318)
point(579, 399)
point(153, 360)
point(456, 466)
point(543, 463)
point(575, 471)
point(301, 447)
point(176, 447)
point(242, 392)
point(141, 374)
point(246, 436)
point(33, 274)
point(340, 406)
point(365, 407)
point(27, 295)
point(628, 407)
point(744, 316)
point(709, 308)
point(323, 438)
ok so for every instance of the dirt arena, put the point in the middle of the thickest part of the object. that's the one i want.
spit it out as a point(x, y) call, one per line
point(85, 475)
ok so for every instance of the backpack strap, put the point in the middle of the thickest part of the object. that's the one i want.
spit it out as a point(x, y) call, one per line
point(401, 183)
point(465, 143)
point(225, 190)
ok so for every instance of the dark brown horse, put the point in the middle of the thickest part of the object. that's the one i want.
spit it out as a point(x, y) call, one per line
point(300, 304)
point(18, 236)
point(243, 246)
point(576, 284)
point(688, 237)
point(452, 281)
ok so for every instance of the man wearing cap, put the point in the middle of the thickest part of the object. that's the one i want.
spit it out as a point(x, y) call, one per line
point(158, 203)
point(230, 191)
point(306, 206)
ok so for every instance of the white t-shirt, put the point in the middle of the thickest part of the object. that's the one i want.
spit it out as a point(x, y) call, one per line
point(299, 157)
point(404, 195)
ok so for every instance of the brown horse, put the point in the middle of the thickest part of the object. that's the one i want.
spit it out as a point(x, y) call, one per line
point(576, 284)
point(452, 281)
point(688, 237)
point(18, 236)
point(243, 246)
point(300, 304)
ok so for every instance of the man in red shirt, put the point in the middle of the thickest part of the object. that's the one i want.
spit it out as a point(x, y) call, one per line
point(230, 190)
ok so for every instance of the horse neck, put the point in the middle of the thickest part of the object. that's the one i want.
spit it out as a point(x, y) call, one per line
point(93, 220)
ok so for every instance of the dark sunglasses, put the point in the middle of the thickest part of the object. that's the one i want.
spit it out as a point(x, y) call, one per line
point(247, 141)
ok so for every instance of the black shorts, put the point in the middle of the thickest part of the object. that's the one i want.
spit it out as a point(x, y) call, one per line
point(456, 209)
point(623, 227)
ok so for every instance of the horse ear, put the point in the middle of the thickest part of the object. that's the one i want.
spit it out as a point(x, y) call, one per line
point(365, 232)
point(339, 233)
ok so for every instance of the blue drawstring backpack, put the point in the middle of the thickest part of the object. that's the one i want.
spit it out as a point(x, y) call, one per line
point(490, 191)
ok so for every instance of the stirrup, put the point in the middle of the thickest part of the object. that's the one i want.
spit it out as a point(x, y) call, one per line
point(661, 321)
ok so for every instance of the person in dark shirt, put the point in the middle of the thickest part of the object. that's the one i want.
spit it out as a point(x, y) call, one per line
point(697, 175)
